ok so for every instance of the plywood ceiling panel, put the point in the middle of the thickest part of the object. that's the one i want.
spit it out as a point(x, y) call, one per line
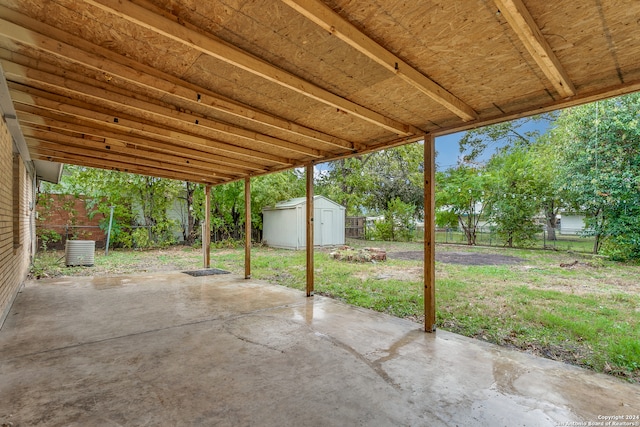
point(215, 91)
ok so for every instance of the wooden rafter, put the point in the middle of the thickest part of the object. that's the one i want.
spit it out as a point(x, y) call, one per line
point(144, 110)
point(523, 24)
point(67, 47)
point(33, 97)
point(94, 162)
point(326, 18)
point(111, 147)
point(216, 48)
point(125, 161)
point(224, 164)
point(583, 98)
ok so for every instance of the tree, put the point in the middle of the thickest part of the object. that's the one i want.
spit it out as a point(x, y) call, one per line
point(398, 222)
point(600, 165)
point(529, 135)
point(515, 196)
point(475, 143)
point(227, 208)
point(155, 196)
point(548, 183)
point(397, 173)
point(461, 191)
point(348, 182)
point(138, 200)
point(368, 183)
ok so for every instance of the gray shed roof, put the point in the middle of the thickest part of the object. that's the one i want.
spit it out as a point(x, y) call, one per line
point(299, 201)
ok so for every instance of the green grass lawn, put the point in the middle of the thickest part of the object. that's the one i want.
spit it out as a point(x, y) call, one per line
point(587, 314)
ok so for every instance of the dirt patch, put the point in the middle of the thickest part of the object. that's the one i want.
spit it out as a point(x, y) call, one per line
point(464, 258)
point(411, 274)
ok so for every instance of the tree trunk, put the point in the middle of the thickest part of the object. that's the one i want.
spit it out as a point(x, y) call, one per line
point(552, 222)
point(551, 231)
point(599, 219)
point(235, 216)
point(189, 232)
point(469, 231)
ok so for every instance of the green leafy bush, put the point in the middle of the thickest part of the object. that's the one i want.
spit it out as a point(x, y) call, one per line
point(47, 236)
point(141, 238)
point(621, 248)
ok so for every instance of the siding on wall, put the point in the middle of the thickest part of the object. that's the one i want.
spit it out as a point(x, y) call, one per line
point(15, 254)
point(281, 228)
point(571, 224)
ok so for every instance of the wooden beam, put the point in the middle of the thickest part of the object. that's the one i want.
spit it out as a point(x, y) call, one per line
point(206, 228)
point(67, 47)
point(43, 100)
point(318, 12)
point(580, 99)
point(50, 120)
point(123, 161)
point(166, 114)
point(309, 230)
point(429, 234)
point(72, 159)
point(384, 145)
point(247, 228)
point(522, 23)
point(115, 151)
point(223, 51)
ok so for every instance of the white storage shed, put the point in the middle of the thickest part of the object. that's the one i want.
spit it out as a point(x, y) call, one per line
point(284, 225)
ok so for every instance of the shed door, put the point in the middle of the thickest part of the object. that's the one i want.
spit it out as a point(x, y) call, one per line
point(326, 227)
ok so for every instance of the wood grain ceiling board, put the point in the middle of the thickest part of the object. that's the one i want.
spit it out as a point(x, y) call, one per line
point(239, 88)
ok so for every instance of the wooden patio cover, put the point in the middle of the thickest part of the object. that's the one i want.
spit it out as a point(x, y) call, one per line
point(213, 91)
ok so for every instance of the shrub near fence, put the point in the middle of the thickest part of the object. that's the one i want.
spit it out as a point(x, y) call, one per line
point(487, 237)
point(56, 236)
point(569, 241)
point(58, 219)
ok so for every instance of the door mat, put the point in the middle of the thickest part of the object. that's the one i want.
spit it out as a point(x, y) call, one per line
point(205, 272)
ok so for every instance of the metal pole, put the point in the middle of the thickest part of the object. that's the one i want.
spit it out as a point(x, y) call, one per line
point(106, 248)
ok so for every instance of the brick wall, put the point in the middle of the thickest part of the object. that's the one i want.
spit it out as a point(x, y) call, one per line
point(68, 216)
point(16, 230)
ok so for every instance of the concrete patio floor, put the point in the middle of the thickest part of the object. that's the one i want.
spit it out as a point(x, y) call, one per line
point(171, 349)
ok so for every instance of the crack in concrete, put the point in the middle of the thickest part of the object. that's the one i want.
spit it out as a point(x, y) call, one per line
point(377, 368)
point(227, 327)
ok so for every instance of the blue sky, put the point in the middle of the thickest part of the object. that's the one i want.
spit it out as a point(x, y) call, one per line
point(447, 149)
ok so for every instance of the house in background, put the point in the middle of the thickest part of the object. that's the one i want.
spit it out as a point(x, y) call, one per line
point(571, 223)
point(284, 225)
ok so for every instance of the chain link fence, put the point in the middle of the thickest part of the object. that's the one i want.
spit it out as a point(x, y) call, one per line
point(55, 236)
point(566, 239)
